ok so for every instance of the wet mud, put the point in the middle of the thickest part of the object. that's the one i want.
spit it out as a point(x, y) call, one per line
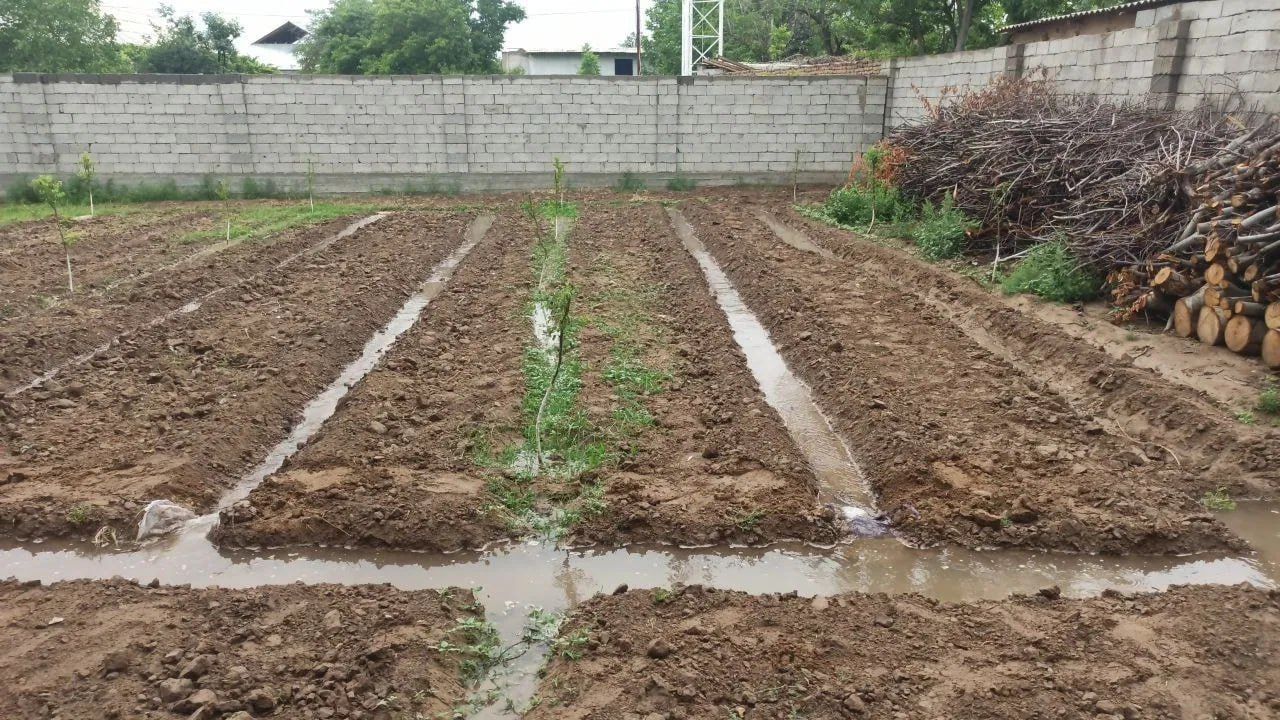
point(179, 411)
point(1167, 415)
point(960, 444)
point(115, 649)
point(715, 462)
point(696, 652)
point(121, 289)
point(397, 465)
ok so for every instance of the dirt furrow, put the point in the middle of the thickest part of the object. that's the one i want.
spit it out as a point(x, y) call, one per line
point(700, 653)
point(116, 649)
point(105, 251)
point(179, 410)
point(34, 339)
point(960, 445)
point(702, 458)
point(1165, 419)
point(397, 465)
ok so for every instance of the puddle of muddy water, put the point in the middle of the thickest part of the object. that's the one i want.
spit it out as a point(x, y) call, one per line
point(322, 406)
point(512, 580)
point(840, 479)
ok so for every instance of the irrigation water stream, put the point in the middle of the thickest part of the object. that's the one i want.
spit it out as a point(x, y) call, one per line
point(512, 579)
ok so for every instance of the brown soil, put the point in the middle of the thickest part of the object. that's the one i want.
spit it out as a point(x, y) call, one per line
point(1161, 412)
point(962, 442)
point(178, 411)
point(699, 653)
point(134, 286)
point(718, 466)
point(115, 649)
point(394, 467)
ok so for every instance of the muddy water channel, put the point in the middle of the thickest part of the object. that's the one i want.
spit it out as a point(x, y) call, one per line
point(513, 579)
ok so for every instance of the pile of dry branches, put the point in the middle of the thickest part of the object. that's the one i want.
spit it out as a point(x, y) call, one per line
point(1032, 165)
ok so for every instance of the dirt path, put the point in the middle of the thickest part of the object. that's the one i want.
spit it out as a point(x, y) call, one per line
point(716, 463)
point(1164, 413)
point(115, 649)
point(960, 444)
point(700, 653)
point(179, 410)
point(37, 339)
point(396, 465)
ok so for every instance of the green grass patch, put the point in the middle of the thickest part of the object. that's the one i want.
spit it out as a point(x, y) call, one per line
point(259, 221)
point(681, 183)
point(629, 182)
point(1050, 271)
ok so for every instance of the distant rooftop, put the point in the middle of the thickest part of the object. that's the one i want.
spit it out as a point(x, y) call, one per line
point(572, 51)
point(286, 34)
point(1121, 8)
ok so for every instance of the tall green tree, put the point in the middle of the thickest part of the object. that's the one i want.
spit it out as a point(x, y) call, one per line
point(590, 64)
point(58, 36)
point(184, 47)
point(383, 37)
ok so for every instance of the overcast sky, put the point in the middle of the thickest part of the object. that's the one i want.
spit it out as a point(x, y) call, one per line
point(550, 23)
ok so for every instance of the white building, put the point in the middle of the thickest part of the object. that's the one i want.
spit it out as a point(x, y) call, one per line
point(613, 61)
point(276, 47)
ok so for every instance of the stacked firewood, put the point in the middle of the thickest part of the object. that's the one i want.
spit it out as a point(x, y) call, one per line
point(1219, 281)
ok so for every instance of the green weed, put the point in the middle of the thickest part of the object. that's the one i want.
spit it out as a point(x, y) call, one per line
point(661, 596)
point(1269, 401)
point(858, 206)
point(681, 183)
point(1050, 271)
point(629, 182)
point(1218, 500)
point(1246, 417)
point(750, 520)
point(940, 234)
point(259, 221)
point(80, 515)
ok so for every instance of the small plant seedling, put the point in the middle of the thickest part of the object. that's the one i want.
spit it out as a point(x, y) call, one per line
point(662, 596)
point(50, 191)
point(1218, 500)
point(86, 172)
point(1246, 417)
point(749, 521)
point(558, 180)
point(629, 182)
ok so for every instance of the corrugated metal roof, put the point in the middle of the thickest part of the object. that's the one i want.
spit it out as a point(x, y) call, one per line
point(1122, 7)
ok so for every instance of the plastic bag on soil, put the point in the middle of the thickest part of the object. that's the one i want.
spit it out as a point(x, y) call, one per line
point(162, 517)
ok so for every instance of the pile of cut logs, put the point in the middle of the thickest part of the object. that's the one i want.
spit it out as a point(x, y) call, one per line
point(1220, 281)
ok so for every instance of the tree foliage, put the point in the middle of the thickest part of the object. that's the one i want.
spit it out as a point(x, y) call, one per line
point(760, 30)
point(184, 47)
point(58, 36)
point(590, 62)
point(383, 37)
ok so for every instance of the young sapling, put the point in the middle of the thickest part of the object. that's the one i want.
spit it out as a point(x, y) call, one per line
point(86, 172)
point(49, 189)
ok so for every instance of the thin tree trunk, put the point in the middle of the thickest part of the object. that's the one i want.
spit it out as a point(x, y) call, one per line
point(966, 20)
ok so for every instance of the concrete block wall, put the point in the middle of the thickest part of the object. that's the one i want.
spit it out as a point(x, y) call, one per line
point(473, 132)
point(1232, 46)
point(1175, 56)
point(920, 82)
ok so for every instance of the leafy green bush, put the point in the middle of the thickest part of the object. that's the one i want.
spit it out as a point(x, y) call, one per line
point(940, 234)
point(1050, 271)
point(629, 182)
point(859, 205)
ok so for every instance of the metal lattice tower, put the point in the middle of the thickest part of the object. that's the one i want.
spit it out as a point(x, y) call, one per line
point(701, 32)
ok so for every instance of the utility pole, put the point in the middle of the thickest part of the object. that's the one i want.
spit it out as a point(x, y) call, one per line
point(639, 69)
